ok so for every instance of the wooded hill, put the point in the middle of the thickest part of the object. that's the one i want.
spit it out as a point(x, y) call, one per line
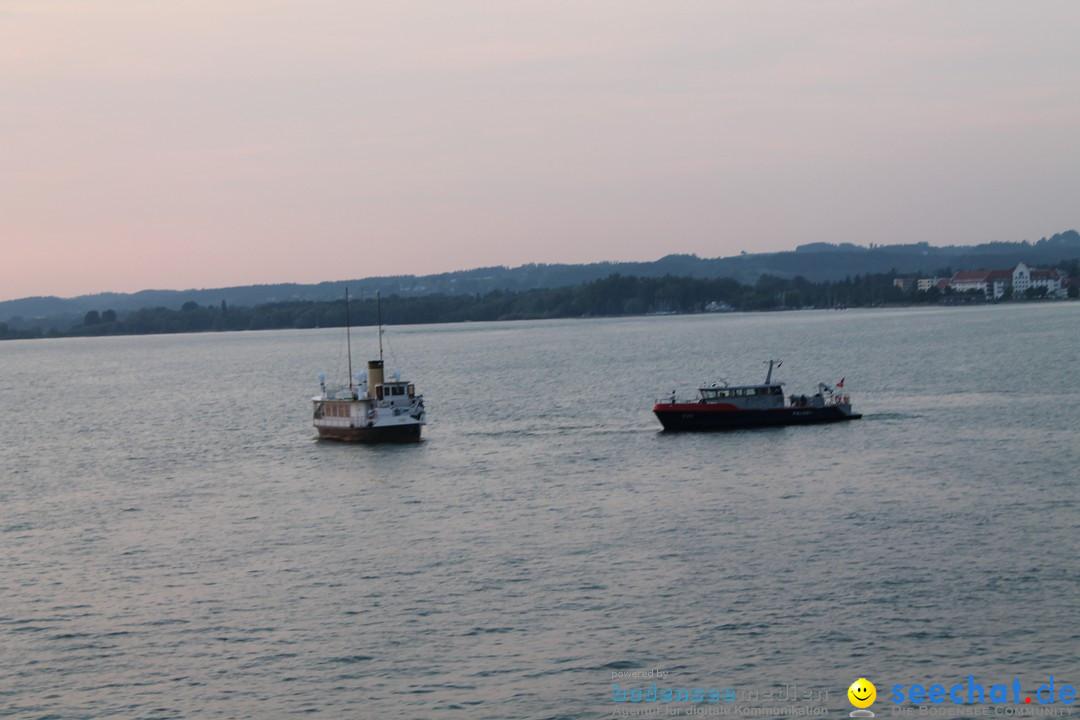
point(816, 263)
point(611, 296)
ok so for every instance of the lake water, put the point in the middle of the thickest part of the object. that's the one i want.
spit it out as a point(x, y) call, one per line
point(174, 543)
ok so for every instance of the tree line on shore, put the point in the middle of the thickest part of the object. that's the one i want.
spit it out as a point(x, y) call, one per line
point(615, 295)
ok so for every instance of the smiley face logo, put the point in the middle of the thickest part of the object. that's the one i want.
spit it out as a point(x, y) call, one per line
point(862, 693)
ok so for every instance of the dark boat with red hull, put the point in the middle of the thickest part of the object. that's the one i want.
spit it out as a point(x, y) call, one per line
point(721, 406)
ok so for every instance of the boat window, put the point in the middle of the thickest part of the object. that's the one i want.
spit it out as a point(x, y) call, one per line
point(398, 390)
point(777, 390)
point(725, 393)
point(412, 390)
point(379, 391)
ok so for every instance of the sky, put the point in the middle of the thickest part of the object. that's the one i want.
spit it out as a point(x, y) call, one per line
point(179, 144)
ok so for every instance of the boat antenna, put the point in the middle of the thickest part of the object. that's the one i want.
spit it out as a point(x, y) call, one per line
point(768, 376)
point(378, 311)
point(348, 339)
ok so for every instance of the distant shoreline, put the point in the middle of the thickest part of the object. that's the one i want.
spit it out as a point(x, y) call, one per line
point(613, 297)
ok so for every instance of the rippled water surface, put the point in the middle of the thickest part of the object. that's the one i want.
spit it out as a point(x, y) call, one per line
point(175, 543)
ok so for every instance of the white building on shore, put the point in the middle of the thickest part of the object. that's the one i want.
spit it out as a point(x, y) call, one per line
point(994, 284)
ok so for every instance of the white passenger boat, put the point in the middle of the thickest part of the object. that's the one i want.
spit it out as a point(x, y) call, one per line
point(371, 408)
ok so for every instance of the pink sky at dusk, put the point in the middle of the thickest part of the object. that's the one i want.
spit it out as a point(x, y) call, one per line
point(169, 144)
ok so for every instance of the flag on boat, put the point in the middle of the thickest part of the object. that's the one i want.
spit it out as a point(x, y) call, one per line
point(841, 383)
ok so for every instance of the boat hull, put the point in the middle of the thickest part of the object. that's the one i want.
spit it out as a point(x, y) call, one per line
point(683, 417)
point(399, 433)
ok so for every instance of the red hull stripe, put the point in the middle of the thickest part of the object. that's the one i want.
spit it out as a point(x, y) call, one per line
point(698, 407)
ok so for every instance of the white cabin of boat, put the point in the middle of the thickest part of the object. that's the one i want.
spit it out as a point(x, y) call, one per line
point(744, 397)
point(370, 397)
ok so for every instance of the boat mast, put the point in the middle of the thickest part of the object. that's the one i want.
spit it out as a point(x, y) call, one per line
point(378, 311)
point(348, 339)
point(768, 376)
